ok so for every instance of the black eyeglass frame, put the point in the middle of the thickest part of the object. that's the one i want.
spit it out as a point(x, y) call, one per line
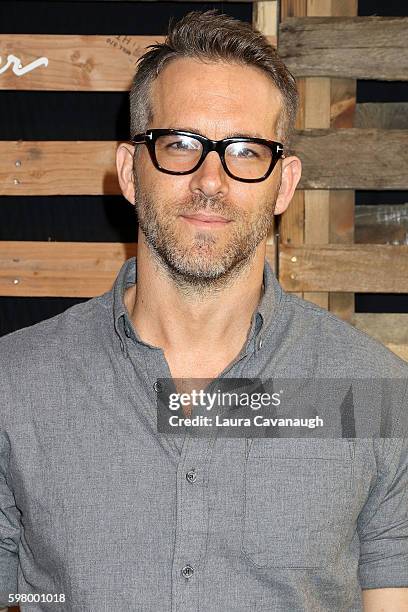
point(150, 136)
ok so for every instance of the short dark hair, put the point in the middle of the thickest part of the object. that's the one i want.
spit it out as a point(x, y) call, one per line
point(213, 36)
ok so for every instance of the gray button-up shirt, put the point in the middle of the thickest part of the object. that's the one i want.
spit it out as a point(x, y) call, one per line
point(99, 511)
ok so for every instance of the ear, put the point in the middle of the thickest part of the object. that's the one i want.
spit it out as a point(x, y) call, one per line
point(291, 173)
point(124, 167)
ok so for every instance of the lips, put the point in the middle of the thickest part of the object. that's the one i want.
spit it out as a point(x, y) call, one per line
point(200, 217)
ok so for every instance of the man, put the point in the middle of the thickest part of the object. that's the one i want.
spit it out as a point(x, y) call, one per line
point(99, 510)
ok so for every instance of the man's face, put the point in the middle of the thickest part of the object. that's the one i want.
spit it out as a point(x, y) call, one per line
point(216, 100)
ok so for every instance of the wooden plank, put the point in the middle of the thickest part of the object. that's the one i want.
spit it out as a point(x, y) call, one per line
point(58, 168)
point(64, 269)
point(385, 116)
point(331, 159)
point(292, 8)
point(391, 329)
point(72, 62)
point(341, 231)
point(317, 231)
point(353, 158)
point(351, 47)
point(75, 62)
point(341, 202)
point(291, 222)
point(317, 115)
point(265, 17)
point(347, 268)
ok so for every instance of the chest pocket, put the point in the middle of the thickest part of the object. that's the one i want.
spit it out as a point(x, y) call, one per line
point(298, 509)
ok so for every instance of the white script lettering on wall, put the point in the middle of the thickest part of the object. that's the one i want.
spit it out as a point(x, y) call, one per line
point(18, 68)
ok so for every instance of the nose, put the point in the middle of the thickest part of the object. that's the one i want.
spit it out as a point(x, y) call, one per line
point(210, 179)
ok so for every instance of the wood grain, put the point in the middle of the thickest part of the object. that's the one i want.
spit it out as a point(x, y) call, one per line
point(385, 116)
point(351, 47)
point(364, 268)
point(65, 269)
point(341, 202)
point(75, 63)
point(292, 221)
point(352, 158)
point(58, 168)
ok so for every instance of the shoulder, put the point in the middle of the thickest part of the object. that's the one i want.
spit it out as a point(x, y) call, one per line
point(45, 366)
point(342, 349)
point(45, 346)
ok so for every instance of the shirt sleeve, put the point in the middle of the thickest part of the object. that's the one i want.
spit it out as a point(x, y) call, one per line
point(9, 528)
point(383, 522)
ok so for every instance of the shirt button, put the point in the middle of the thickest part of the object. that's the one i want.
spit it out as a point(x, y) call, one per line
point(191, 476)
point(187, 571)
point(260, 343)
point(157, 386)
point(127, 331)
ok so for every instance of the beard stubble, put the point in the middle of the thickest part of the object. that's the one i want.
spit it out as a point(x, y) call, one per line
point(208, 259)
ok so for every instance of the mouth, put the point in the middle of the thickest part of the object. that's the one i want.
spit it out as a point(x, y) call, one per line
point(206, 220)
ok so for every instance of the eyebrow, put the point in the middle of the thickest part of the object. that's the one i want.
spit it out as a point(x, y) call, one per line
point(229, 134)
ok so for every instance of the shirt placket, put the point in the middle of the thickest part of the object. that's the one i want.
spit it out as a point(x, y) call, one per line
point(193, 508)
point(191, 523)
point(192, 511)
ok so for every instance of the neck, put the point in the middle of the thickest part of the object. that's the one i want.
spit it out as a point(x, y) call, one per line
point(178, 318)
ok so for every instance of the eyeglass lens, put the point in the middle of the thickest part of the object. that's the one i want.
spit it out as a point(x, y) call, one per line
point(178, 153)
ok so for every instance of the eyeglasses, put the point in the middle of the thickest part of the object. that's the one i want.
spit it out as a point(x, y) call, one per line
point(250, 160)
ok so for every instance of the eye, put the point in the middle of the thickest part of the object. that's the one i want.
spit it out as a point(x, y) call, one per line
point(183, 144)
point(243, 151)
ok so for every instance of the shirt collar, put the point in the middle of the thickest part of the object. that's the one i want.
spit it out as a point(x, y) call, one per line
point(261, 320)
point(123, 327)
point(268, 307)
